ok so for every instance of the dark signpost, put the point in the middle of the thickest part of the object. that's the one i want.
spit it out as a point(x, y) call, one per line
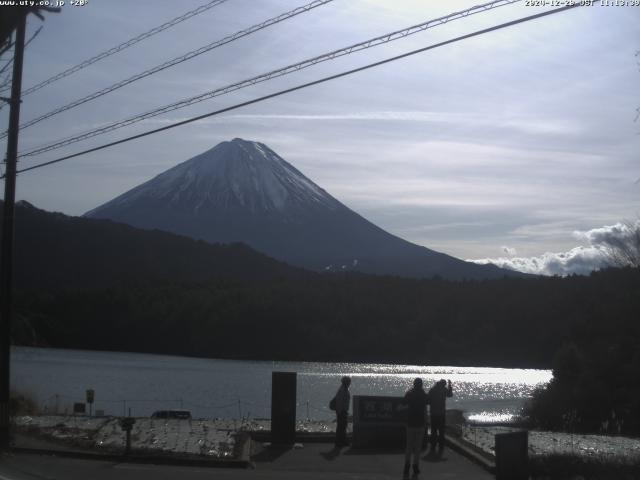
point(283, 408)
point(378, 421)
point(127, 424)
point(91, 395)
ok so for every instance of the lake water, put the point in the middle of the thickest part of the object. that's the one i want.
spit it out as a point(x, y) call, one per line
point(211, 388)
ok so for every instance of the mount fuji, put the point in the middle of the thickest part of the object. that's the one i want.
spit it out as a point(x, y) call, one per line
point(242, 191)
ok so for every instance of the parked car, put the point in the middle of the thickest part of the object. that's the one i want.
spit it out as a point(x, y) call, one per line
point(179, 414)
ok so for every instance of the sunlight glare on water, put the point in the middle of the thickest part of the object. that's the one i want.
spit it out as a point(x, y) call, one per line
point(486, 394)
point(235, 388)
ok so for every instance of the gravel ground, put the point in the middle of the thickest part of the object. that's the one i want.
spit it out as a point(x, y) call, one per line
point(216, 437)
point(208, 437)
point(557, 443)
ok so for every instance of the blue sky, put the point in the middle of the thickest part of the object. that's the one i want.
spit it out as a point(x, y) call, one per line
point(504, 146)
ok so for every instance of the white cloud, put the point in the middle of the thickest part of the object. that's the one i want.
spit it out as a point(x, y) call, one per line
point(579, 260)
point(509, 251)
point(609, 235)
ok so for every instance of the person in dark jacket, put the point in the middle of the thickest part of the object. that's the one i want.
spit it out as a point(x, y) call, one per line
point(417, 401)
point(437, 399)
point(343, 398)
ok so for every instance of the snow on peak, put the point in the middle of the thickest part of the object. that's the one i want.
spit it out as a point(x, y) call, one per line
point(237, 173)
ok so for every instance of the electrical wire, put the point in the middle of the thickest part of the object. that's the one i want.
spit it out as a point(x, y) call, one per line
point(270, 75)
point(6, 47)
point(10, 62)
point(6, 65)
point(124, 45)
point(177, 60)
point(306, 85)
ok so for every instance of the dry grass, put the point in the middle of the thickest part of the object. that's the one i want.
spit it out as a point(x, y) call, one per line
point(574, 467)
point(22, 403)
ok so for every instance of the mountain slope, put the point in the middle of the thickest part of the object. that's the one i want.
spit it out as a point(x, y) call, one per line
point(53, 250)
point(241, 191)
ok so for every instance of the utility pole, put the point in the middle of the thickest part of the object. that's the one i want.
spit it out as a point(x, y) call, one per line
point(6, 256)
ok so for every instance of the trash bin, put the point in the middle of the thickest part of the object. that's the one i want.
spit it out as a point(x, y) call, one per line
point(512, 455)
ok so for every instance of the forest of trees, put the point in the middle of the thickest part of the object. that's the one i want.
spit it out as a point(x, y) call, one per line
point(509, 322)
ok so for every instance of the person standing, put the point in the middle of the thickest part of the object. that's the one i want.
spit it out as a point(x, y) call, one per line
point(417, 400)
point(343, 399)
point(438, 399)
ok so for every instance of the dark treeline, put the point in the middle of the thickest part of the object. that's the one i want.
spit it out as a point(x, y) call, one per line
point(53, 250)
point(349, 317)
point(596, 371)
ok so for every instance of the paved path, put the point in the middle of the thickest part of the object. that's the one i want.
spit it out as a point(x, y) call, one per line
point(323, 461)
point(310, 462)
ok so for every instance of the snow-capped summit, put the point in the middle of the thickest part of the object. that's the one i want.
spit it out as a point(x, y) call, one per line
point(242, 191)
point(238, 174)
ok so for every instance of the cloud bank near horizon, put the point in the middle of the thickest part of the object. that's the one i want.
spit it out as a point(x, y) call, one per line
point(581, 260)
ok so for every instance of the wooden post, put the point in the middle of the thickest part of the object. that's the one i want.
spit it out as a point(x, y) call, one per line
point(6, 256)
point(283, 407)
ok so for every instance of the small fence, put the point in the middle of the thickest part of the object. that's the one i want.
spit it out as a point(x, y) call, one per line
point(240, 410)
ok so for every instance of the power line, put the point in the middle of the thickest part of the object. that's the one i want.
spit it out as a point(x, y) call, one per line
point(305, 85)
point(6, 80)
point(2, 82)
point(6, 65)
point(6, 47)
point(10, 61)
point(124, 45)
point(177, 60)
point(273, 74)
